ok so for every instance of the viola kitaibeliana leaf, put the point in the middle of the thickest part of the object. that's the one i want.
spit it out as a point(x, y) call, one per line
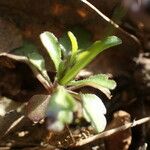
point(29, 51)
point(94, 111)
point(99, 81)
point(60, 109)
point(85, 57)
point(74, 45)
point(52, 46)
point(74, 42)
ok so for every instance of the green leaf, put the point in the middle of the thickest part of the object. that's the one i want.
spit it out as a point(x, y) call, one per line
point(53, 47)
point(38, 61)
point(62, 99)
point(85, 57)
point(100, 81)
point(30, 51)
point(61, 69)
point(65, 116)
point(95, 80)
point(83, 36)
point(61, 106)
point(93, 111)
point(74, 42)
point(37, 107)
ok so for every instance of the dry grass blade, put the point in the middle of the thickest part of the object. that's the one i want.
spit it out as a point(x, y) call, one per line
point(8, 122)
point(17, 121)
point(112, 131)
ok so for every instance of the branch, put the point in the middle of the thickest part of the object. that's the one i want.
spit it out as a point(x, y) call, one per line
point(112, 131)
point(111, 22)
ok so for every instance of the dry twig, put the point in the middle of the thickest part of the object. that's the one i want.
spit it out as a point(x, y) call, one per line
point(114, 24)
point(112, 131)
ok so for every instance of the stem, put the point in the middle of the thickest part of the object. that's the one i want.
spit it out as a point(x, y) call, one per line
point(75, 95)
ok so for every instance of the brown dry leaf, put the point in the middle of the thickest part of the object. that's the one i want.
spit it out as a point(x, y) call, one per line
point(37, 107)
point(120, 140)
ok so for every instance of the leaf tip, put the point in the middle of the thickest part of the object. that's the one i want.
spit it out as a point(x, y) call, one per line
point(114, 40)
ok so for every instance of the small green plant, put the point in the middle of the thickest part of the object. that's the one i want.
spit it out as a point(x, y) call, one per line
point(61, 101)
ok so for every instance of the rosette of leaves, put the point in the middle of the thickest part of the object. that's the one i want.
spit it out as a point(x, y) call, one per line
point(58, 106)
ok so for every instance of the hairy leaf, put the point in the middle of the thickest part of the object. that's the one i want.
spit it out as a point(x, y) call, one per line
point(85, 57)
point(53, 47)
point(30, 51)
point(93, 111)
point(61, 107)
point(95, 80)
point(100, 81)
point(38, 61)
point(61, 99)
point(65, 116)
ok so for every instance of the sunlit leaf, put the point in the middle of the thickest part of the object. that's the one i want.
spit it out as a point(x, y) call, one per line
point(74, 42)
point(30, 51)
point(94, 111)
point(96, 80)
point(82, 35)
point(61, 107)
point(85, 57)
point(38, 61)
point(62, 100)
point(100, 81)
point(65, 116)
point(53, 47)
point(37, 107)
